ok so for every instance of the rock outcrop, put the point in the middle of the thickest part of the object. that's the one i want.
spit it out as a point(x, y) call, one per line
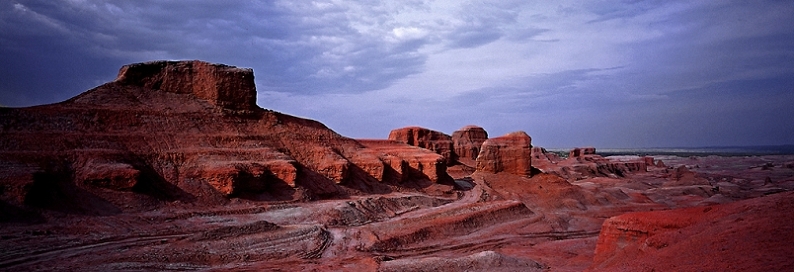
point(718, 237)
point(468, 141)
point(543, 160)
point(682, 176)
point(222, 85)
point(660, 164)
point(649, 161)
point(109, 175)
point(586, 166)
point(233, 178)
point(425, 138)
point(188, 131)
point(406, 163)
point(583, 163)
point(581, 151)
point(511, 153)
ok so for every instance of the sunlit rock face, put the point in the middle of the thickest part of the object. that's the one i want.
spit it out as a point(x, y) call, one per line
point(468, 140)
point(172, 163)
point(511, 153)
point(581, 151)
point(190, 131)
point(405, 163)
point(426, 138)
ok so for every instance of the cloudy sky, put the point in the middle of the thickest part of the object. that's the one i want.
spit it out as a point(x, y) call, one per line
point(570, 73)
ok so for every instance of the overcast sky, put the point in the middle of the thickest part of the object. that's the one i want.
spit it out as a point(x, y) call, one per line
point(569, 73)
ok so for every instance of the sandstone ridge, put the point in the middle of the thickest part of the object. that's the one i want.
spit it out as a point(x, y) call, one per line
point(173, 165)
point(222, 85)
point(426, 138)
point(468, 140)
point(511, 153)
point(186, 131)
point(754, 229)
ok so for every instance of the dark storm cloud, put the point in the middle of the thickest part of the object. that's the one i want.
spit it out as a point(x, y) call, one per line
point(295, 47)
point(605, 73)
point(44, 60)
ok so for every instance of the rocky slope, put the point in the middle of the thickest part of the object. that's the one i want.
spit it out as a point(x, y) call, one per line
point(584, 163)
point(187, 131)
point(426, 138)
point(750, 235)
point(172, 166)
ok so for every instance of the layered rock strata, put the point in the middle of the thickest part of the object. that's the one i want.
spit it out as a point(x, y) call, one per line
point(182, 130)
point(468, 141)
point(542, 159)
point(511, 153)
point(581, 151)
point(585, 166)
point(718, 236)
point(426, 138)
point(405, 162)
point(222, 85)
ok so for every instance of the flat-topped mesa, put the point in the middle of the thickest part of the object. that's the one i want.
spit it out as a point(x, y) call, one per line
point(468, 141)
point(162, 129)
point(425, 138)
point(581, 151)
point(222, 85)
point(511, 153)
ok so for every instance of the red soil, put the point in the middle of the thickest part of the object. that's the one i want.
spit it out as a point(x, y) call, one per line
point(749, 235)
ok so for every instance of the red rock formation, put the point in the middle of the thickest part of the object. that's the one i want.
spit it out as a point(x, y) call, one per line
point(660, 164)
point(580, 165)
point(169, 160)
point(468, 140)
point(543, 160)
point(648, 161)
point(510, 153)
point(749, 235)
point(682, 176)
point(222, 85)
point(624, 166)
point(182, 130)
point(426, 138)
point(581, 151)
point(116, 176)
point(234, 178)
point(404, 162)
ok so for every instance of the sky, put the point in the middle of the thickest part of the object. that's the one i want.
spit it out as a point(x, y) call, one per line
point(617, 74)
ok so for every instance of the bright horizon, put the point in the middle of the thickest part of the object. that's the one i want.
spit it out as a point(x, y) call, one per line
point(608, 74)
